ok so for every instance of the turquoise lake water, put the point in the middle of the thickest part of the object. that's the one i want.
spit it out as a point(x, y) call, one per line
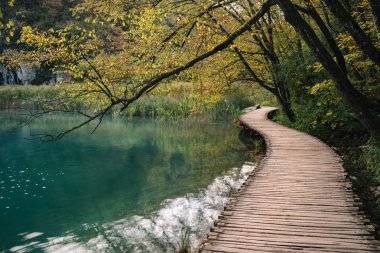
point(133, 185)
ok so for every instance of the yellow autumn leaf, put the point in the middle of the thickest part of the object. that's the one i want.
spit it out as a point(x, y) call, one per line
point(26, 28)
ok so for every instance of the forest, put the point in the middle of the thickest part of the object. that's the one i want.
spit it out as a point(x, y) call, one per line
point(318, 61)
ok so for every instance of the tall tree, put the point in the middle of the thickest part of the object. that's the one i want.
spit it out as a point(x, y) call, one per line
point(262, 34)
point(365, 111)
point(154, 43)
point(363, 41)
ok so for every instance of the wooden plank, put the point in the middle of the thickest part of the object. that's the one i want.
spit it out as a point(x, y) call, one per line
point(299, 241)
point(261, 247)
point(297, 200)
point(263, 230)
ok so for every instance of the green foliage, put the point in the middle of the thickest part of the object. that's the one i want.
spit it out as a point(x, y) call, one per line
point(160, 106)
point(182, 103)
point(117, 50)
point(31, 97)
point(371, 158)
point(178, 104)
point(318, 106)
point(325, 121)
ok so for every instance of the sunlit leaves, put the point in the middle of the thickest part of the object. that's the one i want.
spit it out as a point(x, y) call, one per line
point(118, 46)
point(6, 25)
point(110, 11)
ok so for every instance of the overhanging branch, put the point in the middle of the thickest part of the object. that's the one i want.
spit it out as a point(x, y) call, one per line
point(226, 43)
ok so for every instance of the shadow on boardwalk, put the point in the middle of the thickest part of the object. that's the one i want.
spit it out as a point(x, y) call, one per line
point(298, 200)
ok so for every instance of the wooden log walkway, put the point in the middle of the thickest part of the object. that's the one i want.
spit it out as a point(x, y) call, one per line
point(297, 200)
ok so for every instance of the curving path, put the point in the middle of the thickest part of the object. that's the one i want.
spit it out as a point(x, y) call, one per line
point(298, 200)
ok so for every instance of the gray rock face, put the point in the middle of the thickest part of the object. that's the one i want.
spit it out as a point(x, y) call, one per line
point(27, 75)
point(8, 77)
point(60, 77)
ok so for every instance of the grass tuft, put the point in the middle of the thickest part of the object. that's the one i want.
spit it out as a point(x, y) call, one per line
point(184, 243)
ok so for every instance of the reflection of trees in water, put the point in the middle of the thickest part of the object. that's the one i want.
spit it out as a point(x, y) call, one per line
point(178, 167)
point(124, 168)
point(253, 141)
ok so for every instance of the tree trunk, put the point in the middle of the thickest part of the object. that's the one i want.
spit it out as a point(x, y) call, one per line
point(326, 15)
point(363, 41)
point(358, 103)
point(347, 4)
point(280, 91)
point(326, 33)
point(283, 97)
point(287, 110)
point(375, 9)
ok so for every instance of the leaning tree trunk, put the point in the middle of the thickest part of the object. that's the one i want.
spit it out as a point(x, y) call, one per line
point(358, 103)
point(326, 33)
point(363, 41)
point(375, 9)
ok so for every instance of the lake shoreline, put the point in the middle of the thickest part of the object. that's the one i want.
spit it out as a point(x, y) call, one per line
point(127, 168)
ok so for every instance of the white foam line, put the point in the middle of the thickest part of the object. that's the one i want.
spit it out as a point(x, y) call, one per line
point(162, 231)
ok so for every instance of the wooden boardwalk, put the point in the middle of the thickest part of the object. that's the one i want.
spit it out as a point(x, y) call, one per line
point(297, 200)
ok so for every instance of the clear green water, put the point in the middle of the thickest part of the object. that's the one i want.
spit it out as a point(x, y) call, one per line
point(134, 185)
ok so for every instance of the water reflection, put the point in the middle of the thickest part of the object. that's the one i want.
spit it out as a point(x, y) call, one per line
point(114, 189)
point(159, 232)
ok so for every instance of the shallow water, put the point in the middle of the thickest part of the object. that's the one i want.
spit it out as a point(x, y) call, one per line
point(134, 185)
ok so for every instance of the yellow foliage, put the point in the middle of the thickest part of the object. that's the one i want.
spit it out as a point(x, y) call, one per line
point(318, 67)
point(322, 87)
